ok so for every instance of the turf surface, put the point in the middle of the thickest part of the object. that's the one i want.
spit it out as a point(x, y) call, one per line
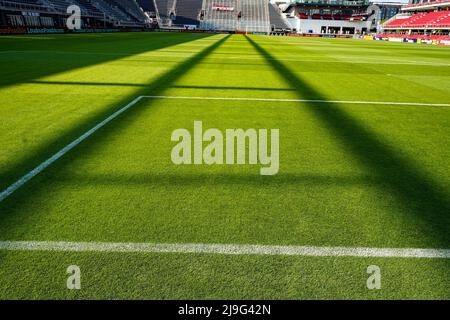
point(350, 175)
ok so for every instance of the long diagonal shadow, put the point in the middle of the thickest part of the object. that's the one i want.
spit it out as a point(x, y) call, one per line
point(424, 201)
point(11, 205)
point(21, 62)
point(143, 85)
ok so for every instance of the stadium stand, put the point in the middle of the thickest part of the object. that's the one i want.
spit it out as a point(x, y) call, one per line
point(427, 3)
point(404, 20)
point(187, 12)
point(110, 13)
point(332, 16)
point(147, 6)
point(217, 15)
point(276, 20)
point(422, 20)
point(233, 15)
point(434, 19)
point(429, 17)
point(255, 16)
point(115, 11)
point(164, 11)
point(132, 8)
point(220, 15)
point(24, 5)
point(87, 6)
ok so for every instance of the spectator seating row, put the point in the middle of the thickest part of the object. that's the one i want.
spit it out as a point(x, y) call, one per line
point(437, 19)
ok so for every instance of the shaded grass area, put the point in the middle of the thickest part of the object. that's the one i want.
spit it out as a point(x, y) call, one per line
point(420, 194)
point(24, 59)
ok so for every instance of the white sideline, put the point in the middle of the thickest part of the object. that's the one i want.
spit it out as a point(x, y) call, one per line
point(30, 175)
point(231, 249)
point(304, 100)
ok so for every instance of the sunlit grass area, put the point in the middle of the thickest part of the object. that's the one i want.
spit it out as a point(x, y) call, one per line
point(370, 174)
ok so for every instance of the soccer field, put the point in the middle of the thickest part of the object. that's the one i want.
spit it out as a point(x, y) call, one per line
point(87, 178)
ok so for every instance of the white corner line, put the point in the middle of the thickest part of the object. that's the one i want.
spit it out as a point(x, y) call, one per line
point(30, 175)
point(229, 249)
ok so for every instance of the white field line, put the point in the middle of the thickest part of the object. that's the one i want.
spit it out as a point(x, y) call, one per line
point(231, 249)
point(30, 175)
point(348, 62)
point(304, 100)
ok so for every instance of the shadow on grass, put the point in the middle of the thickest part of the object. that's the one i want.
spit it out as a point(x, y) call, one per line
point(215, 179)
point(43, 152)
point(25, 61)
point(414, 190)
point(145, 85)
point(12, 205)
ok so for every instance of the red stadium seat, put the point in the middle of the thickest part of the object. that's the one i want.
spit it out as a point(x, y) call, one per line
point(422, 20)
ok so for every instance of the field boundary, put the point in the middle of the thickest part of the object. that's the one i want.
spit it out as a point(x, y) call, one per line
point(41, 167)
point(228, 249)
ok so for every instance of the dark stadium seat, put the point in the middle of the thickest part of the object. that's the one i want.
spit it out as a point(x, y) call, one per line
point(303, 15)
point(187, 12)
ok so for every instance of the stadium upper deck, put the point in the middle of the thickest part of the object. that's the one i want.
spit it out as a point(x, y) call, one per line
point(424, 17)
point(332, 16)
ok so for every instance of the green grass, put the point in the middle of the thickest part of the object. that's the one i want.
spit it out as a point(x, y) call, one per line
point(350, 175)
